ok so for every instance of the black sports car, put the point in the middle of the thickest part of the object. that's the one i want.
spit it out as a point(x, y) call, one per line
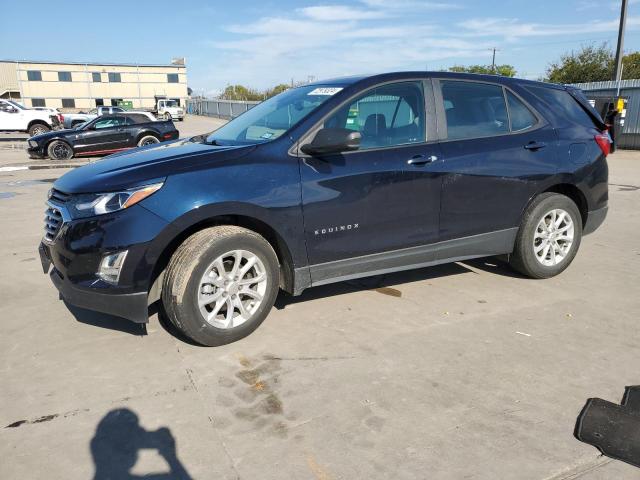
point(102, 136)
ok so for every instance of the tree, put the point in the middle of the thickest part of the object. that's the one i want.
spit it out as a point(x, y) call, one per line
point(240, 92)
point(589, 64)
point(504, 70)
point(592, 64)
point(276, 90)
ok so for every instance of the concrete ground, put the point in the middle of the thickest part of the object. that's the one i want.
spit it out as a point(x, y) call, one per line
point(460, 371)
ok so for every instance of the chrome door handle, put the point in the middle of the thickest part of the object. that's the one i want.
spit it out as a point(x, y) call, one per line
point(420, 160)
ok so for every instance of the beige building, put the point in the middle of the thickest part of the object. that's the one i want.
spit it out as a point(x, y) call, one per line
point(82, 86)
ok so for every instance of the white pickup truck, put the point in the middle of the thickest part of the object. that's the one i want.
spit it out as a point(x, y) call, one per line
point(17, 118)
point(72, 120)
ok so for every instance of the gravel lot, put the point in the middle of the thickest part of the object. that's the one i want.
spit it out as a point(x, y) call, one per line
point(459, 371)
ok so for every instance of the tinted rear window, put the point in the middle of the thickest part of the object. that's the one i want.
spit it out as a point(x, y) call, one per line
point(563, 103)
point(138, 118)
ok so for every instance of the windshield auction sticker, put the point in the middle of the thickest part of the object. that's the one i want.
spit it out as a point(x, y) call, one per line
point(325, 91)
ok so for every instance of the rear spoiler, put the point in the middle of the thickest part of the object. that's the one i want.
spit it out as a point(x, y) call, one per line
point(580, 97)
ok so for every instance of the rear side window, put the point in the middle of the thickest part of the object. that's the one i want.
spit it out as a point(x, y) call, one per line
point(474, 109)
point(521, 117)
point(562, 102)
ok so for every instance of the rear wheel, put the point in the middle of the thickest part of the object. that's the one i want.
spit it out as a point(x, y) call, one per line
point(38, 128)
point(549, 236)
point(220, 284)
point(59, 150)
point(148, 140)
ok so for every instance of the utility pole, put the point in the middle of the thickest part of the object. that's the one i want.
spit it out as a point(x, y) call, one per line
point(617, 75)
point(493, 61)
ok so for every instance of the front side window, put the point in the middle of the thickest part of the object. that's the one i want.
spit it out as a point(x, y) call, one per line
point(114, 77)
point(474, 109)
point(64, 76)
point(109, 122)
point(385, 116)
point(172, 77)
point(34, 75)
point(68, 103)
point(38, 102)
point(96, 77)
point(273, 117)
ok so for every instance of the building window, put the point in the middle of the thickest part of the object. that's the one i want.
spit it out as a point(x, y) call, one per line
point(172, 77)
point(64, 76)
point(114, 77)
point(38, 102)
point(96, 77)
point(34, 75)
point(114, 101)
point(99, 102)
point(68, 103)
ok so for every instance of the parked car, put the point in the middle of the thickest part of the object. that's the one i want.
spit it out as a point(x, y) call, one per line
point(74, 119)
point(17, 118)
point(169, 109)
point(103, 135)
point(328, 182)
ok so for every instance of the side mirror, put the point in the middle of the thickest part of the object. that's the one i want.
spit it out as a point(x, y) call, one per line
point(332, 140)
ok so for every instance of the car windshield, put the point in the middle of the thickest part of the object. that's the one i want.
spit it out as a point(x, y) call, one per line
point(273, 117)
point(16, 104)
point(171, 103)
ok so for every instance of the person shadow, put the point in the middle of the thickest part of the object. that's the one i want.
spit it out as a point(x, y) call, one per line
point(117, 442)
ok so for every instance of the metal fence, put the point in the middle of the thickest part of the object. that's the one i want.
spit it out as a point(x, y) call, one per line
point(629, 120)
point(227, 109)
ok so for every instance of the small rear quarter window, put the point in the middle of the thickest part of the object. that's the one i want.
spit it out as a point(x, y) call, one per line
point(521, 117)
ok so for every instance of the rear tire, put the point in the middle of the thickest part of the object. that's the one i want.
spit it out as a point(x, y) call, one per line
point(210, 299)
point(148, 140)
point(549, 236)
point(59, 150)
point(38, 128)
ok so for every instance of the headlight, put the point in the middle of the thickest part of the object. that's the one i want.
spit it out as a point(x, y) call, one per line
point(88, 205)
point(33, 144)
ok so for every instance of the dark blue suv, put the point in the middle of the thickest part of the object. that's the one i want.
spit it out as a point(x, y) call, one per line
point(327, 182)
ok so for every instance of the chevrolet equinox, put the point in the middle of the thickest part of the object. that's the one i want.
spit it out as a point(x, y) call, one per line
point(326, 182)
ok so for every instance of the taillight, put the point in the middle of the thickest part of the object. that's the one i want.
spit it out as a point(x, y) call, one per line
point(61, 118)
point(604, 142)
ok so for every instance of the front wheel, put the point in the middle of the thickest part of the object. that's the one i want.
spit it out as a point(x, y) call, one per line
point(59, 150)
point(220, 284)
point(167, 116)
point(549, 236)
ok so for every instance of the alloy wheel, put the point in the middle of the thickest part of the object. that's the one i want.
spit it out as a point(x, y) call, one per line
point(232, 289)
point(553, 237)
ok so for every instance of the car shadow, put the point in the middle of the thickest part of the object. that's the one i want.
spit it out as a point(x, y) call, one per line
point(382, 283)
point(103, 320)
point(494, 265)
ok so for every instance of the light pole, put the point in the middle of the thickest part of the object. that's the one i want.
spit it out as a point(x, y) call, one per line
point(617, 75)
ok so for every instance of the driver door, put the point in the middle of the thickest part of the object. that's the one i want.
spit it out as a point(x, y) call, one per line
point(8, 116)
point(106, 134)
point(362, 207)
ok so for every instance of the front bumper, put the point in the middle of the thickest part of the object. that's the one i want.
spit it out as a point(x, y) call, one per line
point(75, 253)
point(132, 306)
point(36, 152)
point(595, 218)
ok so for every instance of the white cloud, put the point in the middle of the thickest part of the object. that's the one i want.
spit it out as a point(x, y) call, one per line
point(338, 13)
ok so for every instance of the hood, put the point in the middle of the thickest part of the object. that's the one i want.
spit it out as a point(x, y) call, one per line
point(51, 134)
point(146, 165)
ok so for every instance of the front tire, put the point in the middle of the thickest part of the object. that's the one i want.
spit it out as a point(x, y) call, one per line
point(220, 284)
point(38, 129)
point(59, 150)
point(549, 236)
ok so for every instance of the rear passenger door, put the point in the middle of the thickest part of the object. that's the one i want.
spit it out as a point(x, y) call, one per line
point(496, 150)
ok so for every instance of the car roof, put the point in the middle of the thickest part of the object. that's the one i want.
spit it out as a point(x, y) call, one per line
point(391, 76)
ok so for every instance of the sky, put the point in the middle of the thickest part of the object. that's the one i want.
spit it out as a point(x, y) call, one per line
point(263, 43)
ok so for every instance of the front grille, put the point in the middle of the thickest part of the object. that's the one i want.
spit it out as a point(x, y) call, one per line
point(58, 196)
point(52, 223)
